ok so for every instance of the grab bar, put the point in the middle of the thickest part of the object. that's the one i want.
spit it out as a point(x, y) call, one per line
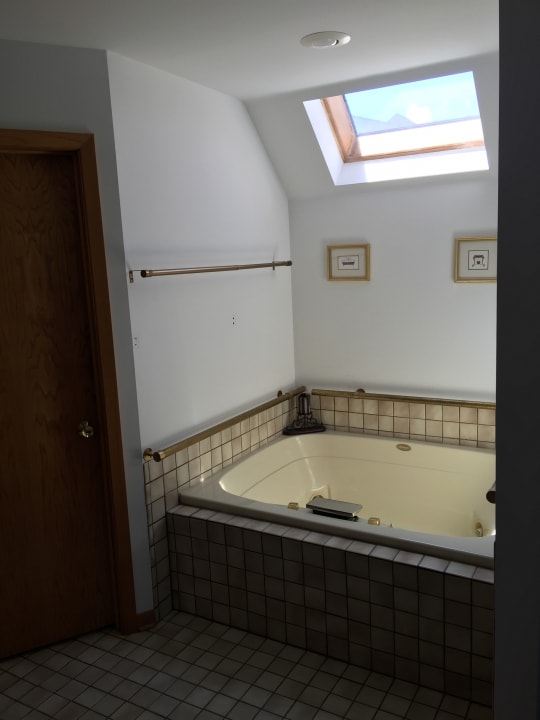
point(490, 495)
point(216, 268)
point(159, 455)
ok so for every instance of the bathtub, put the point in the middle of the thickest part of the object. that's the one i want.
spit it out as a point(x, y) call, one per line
point(428, 498)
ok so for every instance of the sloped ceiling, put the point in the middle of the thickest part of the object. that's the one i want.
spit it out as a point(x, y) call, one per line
point(250, 48)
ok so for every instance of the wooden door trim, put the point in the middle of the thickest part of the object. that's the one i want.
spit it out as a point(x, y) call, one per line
point(81, 145)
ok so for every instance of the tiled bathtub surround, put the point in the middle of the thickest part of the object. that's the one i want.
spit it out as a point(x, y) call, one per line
point(208, 452)
point(417, 618)
point(427, 419)
point(204, 454)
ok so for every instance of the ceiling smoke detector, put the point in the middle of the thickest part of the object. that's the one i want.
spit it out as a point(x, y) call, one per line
point(325, 39)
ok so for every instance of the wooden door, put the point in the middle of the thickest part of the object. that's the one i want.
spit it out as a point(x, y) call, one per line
point(57, 569)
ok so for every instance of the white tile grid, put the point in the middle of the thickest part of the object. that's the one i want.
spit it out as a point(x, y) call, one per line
point(187, 668)
point(444, 423)
point(201, 459)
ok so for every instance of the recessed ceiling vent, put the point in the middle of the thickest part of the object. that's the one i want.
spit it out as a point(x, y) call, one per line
point(325, 39)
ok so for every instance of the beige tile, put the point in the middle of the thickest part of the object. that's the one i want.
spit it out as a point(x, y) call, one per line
point(327, 403)
point(468, 443)
point(194, 451)
point(206, 462)
point(253, 422)
point(434, 439)
point(235, 431)
point(342, 404)
point(356, 420)
point(341, 418)
point(450, 429)
point(245, 441)
point(468, 431)
point(204, 446)
point(156, 489)
point(194, 468)
point(386, 408)
point(386, 423)
point(156, 470)
point(356, 405)
point(433, 428)
point(182, 457)
point(244, 426)
point(182, 475)
point(263, 432)
point(254, 438)
point(217, 457)
point(468, 415)
point(417, 426)
point(486, 433)
point(389, 433)
point(450, 413)
point(226, 451)
point(450, 441)
point(486, 417)
point(169, 482)
point(316, 402)
point(401, 425)
point(371, 407)
point(236, 446)
point(169, 463)
point(417, 410)
point(171, 500)
point(371, 423)
point(226, 435)
point(433, 412)
point(327, 417)
point(401, 409)
point(486, 445)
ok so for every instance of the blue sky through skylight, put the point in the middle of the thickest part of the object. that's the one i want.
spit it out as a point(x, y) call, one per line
point(422, 102)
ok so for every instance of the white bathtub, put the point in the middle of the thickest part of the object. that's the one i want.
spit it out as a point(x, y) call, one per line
point(429, 498)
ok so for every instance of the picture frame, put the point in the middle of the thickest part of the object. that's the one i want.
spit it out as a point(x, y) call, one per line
point(475, 259)
point(348, 262)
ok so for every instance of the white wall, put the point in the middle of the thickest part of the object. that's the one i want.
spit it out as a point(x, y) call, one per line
point(197, 189)
point(411, 329)
point(66, 89)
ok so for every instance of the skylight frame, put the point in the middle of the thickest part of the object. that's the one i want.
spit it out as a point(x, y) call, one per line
point(348, 142)
point(433, 158)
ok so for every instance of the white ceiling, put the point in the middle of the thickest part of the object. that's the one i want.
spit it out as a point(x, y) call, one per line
point(251, 48)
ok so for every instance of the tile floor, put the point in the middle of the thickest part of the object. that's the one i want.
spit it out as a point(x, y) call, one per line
point(187, 668)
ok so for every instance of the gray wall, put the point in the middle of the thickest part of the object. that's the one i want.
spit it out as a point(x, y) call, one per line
point(67, 89)
point(517, 552)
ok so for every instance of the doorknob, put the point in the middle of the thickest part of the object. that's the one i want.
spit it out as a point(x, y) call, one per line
point(85, 429)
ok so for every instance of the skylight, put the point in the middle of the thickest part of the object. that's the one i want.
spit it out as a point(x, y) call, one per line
point(425, 127)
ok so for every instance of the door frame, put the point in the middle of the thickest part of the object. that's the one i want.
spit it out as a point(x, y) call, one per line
point(81, 146)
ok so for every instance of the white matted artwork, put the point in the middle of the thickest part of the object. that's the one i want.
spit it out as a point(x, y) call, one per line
point(348, 262)
point(475, 259)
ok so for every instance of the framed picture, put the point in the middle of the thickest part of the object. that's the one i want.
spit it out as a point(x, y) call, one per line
point(475, 259)
point(348, 262)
